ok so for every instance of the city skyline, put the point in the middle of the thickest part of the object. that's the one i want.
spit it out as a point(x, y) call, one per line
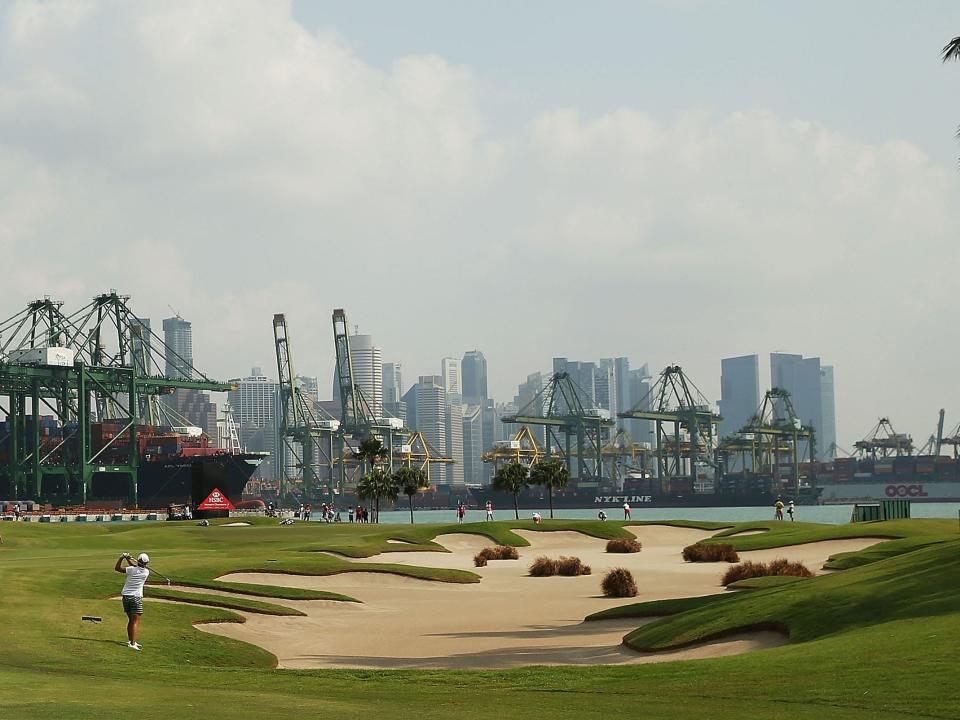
point(564, 203)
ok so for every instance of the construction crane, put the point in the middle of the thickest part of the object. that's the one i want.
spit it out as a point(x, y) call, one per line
point(772, 433)
point(79, 367)
point(303, 424)
point(674, 400)
point(563, 408)
point(883, 441)
point(935, 442)
point(416, 452)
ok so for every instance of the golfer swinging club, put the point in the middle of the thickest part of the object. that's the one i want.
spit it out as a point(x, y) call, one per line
point(132, 593)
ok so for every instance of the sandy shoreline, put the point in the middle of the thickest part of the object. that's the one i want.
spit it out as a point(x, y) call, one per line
point(506, 620)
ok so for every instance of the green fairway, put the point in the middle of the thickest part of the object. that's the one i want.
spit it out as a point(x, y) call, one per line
point(878, 640)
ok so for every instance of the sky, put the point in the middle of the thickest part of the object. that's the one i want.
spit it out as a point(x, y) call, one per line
point(674, 181)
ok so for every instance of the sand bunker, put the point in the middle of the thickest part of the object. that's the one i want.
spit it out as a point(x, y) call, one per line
point(236, 524)
point(508, 619)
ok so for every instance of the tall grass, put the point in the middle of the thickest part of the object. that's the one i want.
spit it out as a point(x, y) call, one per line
point(619, 582)
point(497, 552)
point(566, 566)
point(750, 569)
point(710, 552)
point(623, 545)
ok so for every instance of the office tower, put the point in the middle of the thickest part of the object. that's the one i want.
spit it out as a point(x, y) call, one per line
point(141, 346)
point(492, 432)
point(583, 375)
point(454, 432)
point(431, 411)
point(621, 372)
point(193, 406)
point(605, 386)
point(473, 372)
point(393, 404)
point(804, 379)
point(739, 392)
point(473, 445)
point(368, 371)
point(178, 353)
point(450, 372)
point(409, 401)
point(530, 401)
point(255, 408)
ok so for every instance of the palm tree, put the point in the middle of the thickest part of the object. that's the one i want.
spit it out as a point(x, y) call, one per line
point(371, 450)
point(410, 481)
point(512, 478)
point(553, 475)
point(951, 51)
point(375, 485)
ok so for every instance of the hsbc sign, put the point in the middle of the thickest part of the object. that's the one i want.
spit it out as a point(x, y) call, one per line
point(905, 491)
point(216, 500)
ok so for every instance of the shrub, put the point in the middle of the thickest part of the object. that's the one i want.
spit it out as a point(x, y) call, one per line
point(571, 566)
point(619, 582)
point(543, 567)
point(750, 569)
point(710, 552)
point(623, 545)
point(480, 560)
point(498, 552)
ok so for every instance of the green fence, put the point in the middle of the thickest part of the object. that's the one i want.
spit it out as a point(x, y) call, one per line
point(884, 510)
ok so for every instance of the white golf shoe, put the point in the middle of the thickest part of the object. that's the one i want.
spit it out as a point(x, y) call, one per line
point(133, 646)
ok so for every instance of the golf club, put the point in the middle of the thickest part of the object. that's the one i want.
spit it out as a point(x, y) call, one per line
point(169, 581)
point(91, 618)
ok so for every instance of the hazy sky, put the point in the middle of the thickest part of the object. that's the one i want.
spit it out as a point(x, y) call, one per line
point(675, 181)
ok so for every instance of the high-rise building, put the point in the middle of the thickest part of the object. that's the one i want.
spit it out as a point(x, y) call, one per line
point(804, 379)
point(193, 406)
point(142, 345)
point(739, 392)
point(621, 371)
point(450, 372)
point(530, 401)
point(605, 386)
point(454, 430)
point(473, 371)
point(640, 384)
point(255, 408)
point(409, 402)
point(431, 411)
point(583, 375)
point(393, 404)
point(368, 371)
point(309, 386)
point(473, 445)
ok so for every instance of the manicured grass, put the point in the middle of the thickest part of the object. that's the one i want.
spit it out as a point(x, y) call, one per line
point(231, 603)
point(880, 642)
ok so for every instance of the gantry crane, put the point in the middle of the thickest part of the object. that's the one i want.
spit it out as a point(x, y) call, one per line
point(303, 424)
point(883, 442)
point(675, 400)
point(772, 433)
point(416, 452)
point(103, 372)
point(562, 407)
point(358, 420)
point(522, 448)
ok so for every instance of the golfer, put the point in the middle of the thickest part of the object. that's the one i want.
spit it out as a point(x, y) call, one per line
point(132, 593)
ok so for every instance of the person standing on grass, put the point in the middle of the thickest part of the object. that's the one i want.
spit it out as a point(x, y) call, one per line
point(461, 512)
point(132, 593)
point(489, 510)
point(16, 512)
point(778, 510)
point(790, 510)
point(626, 511)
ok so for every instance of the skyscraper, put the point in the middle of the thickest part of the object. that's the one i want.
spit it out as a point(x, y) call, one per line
point(739, 392)
point(255, 407)
point(178, 353)
point(393, 403)
point(605, 386)
point(473, 445)
point(431, 411)
point(473, 371)
point(450, 372)
point(583, 375)
point(368, 371)
point(805, 380)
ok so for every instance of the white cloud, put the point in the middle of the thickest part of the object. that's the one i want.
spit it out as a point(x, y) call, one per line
point(220, 158)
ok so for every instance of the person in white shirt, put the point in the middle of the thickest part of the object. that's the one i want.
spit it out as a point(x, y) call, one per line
point(132, 593)
point(626, 511)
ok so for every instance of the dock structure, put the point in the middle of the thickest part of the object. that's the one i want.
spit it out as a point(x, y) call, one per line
point(81, 369)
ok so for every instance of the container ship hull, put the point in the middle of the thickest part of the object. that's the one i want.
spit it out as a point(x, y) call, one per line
point(918, 478)
point(166, 482)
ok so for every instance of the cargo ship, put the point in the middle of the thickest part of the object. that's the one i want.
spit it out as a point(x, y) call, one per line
point(647, 492)
point(166, 459)
point(918, 478)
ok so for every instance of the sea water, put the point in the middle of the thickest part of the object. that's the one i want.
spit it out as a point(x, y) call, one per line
point(808, 513)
